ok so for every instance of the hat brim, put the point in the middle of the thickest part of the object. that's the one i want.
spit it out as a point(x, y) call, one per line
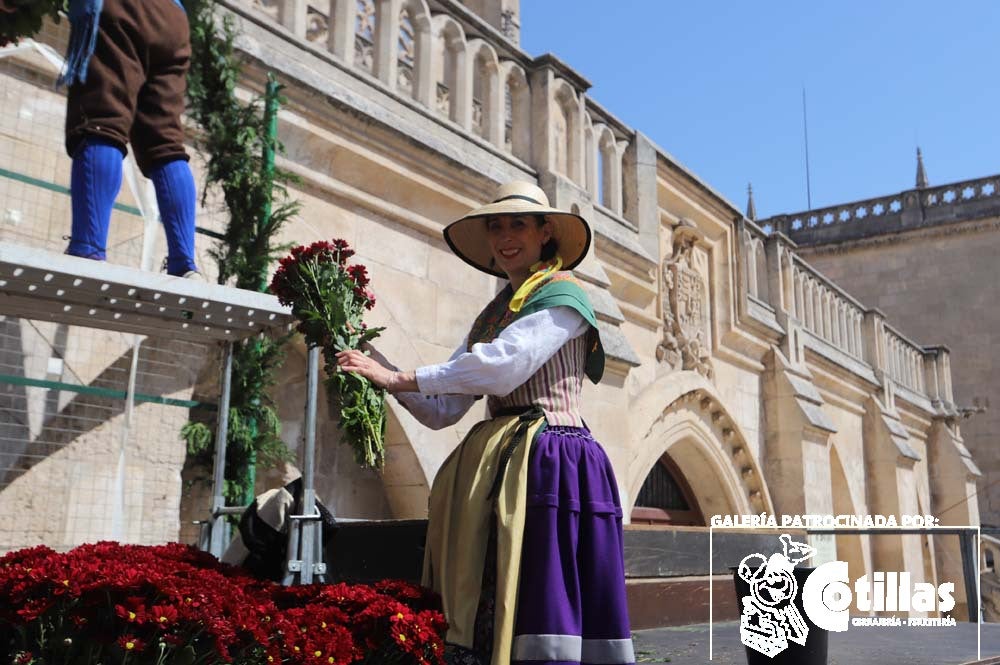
point(468, 240)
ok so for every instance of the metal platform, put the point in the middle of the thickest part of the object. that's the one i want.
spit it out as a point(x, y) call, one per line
point(43, 285)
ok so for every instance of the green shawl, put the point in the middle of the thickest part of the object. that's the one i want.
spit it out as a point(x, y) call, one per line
point(560, 290)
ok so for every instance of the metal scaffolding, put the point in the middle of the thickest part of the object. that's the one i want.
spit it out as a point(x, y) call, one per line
point(46, 286)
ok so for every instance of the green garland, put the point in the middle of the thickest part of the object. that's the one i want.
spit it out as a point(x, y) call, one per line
point(239, 141)
point(23, 18)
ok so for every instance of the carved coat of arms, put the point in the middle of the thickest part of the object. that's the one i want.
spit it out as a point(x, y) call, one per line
point(685, 306)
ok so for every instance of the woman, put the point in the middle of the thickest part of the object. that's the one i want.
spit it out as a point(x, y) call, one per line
point(524, 541)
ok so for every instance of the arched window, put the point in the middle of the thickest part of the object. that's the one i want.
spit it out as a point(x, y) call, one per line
point(480, 97)
point(364, 35)
point(406, 52)
point(508, 116)
point(450, 83)
point(610, 171)
point(666, 498)
point(486, 103)
point(568, 133)
point(560, 137)
point(517, 112)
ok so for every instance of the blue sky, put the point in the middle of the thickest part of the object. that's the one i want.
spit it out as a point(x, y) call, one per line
point(719, 86)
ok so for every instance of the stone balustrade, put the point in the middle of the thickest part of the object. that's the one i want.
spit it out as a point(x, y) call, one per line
point(904, 361)
point(915, 208)
point(473, 76)
point(776, 276)
point(825, 310)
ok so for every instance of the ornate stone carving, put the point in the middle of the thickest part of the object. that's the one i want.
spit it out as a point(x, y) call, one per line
point(317, 26)
point(685, 306)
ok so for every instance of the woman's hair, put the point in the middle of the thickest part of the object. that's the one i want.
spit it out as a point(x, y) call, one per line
point(551, 247)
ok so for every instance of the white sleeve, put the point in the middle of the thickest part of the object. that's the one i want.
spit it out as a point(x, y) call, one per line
point(436, 411)
point(497, 367)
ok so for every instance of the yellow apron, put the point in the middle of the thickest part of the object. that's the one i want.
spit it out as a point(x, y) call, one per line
point(458, 530)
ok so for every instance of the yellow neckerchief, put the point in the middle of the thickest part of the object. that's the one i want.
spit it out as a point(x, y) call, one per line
point(540, 272)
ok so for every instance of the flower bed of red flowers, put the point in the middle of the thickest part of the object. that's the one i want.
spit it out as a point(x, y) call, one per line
point(114, 604)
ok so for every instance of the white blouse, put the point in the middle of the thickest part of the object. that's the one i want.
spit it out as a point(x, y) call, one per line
point(449, 389)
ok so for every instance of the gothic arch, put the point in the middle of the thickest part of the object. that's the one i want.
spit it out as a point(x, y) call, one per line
point(517, 101)
point(420, 80)
point(452, 96)
point(610, 182)
point(487, 119)
point(567, 148)
point(702, 439)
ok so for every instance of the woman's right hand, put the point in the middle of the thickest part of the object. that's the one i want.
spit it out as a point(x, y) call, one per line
point(356, 361)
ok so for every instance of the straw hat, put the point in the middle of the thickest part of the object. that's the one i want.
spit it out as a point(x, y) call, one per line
point(467, 236)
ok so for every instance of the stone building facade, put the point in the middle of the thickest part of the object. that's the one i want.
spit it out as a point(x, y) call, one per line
point(927, 259)
point(739, 380)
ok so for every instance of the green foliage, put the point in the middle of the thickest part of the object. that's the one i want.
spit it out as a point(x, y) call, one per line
point(254, 427)
point(236, 139)
point(239, 146)
point(26, 18)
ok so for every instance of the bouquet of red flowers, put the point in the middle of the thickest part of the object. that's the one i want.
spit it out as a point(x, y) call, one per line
point(131, 604)
point(329, 298)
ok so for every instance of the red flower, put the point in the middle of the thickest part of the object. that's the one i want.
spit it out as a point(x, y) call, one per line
point(131, 643)
point(359, 274)
point(129, 597)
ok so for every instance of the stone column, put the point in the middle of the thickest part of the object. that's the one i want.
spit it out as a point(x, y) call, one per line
point(495, 104)
point(423, 65)
point(343, 14)
point(542, 151)
point(292, 15)
point(386, 41)
point(461, 95)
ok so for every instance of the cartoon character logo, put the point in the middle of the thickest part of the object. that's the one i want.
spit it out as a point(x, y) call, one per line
point(770, 619)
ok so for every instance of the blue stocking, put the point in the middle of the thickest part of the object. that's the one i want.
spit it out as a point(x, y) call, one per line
point(175, 195)
point(95, 179)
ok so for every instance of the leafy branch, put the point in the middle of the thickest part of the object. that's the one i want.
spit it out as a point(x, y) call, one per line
point(240, 141)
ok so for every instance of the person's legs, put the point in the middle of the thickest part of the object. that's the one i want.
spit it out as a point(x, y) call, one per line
point(175, 194)
point(95, 179)
point(157, 134)
point(99, 116)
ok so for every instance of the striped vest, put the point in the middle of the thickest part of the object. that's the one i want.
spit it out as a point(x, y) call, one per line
point(556, 387)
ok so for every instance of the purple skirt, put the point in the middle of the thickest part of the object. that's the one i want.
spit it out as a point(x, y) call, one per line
point(571, 606)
